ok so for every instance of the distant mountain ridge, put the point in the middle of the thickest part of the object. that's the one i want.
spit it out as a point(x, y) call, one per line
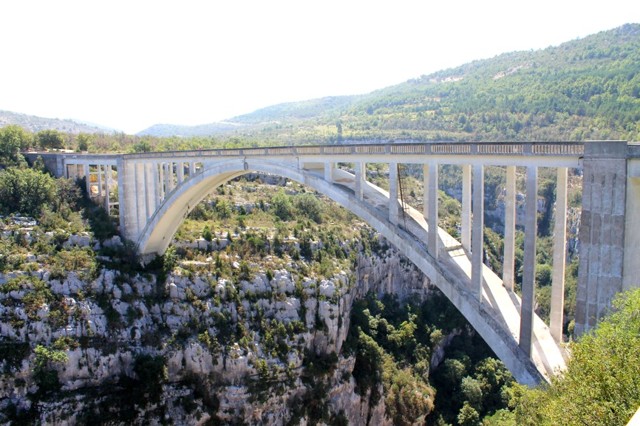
point(35, 124)
point(587, 88)
point(167, 130)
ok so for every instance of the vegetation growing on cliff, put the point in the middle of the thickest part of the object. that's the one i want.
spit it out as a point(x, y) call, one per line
point(400, 349)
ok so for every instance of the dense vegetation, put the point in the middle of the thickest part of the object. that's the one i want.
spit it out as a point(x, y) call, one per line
point(395, 345)
point(602, 383)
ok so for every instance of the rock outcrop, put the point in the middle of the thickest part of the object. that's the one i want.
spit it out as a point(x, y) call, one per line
point(193, 348)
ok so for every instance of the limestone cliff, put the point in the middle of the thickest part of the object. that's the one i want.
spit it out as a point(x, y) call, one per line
point(190, 348)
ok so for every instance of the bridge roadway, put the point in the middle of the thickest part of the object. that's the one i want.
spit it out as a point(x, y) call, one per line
point(153, 192)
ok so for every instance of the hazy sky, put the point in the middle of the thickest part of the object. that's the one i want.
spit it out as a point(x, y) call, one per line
point(130, 64)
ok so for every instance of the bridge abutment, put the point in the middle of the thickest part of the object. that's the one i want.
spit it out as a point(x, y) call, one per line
point(602, 231)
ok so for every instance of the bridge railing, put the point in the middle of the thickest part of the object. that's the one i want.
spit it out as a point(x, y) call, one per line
point(570, 149)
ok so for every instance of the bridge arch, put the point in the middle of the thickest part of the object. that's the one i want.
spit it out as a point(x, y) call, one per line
point(162, 225)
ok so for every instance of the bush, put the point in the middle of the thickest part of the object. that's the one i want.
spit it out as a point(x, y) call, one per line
point(44, 373)
point(282, 207)
point(309, 205)
point(151, 371)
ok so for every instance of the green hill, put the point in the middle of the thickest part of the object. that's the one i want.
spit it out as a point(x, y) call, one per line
point(583, 89)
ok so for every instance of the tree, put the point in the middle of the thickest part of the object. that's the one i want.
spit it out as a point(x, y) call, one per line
point(50, 139)
point(468, 416)
point(207, 234)
point(281, 206)
point(83, 141)
point(142, 146)
point(25, 191)
point(309, 205)
point(12, 139)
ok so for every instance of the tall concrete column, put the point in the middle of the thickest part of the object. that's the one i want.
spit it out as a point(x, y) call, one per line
point(180, 171)
point(508, 267)
point(169, 177)
point(157, 179)
point(465, 217)
point(477, 237)
point(87, 178)
point(559, 255)
point(432, 221)
point(127, 189)
point(393, 193)
point(60, 167)
point(161, 181)
point(141, 198)
point(360, 170)
point(192, 169)
point(99, 167)
point(425, 206)
point(602, 231)
point(149, 189)
point(328, 171)
point(107, 188)
point(529, 261)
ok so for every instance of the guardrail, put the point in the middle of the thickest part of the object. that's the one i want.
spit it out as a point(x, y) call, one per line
point(555, 149)
point(569, 149)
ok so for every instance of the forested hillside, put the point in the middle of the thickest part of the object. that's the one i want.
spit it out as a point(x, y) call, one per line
point(583, 89)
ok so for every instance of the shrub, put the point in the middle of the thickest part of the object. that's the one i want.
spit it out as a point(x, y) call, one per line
point(44, 373)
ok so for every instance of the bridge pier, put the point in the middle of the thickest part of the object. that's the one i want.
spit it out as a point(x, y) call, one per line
point(509, 258)
point(559, 255)
point(329, 167)
point(602, 231)
point(180, 172)
point(393, 193)
point(425, 185)
point(477, 237)
point(432, 219)
point(465, 217)
point(360, 175)
point(529, 261)
point(87, 179)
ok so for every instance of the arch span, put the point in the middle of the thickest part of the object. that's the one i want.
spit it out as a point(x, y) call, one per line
point(158, 232)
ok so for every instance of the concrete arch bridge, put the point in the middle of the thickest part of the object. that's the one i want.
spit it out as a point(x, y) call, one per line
point(155, 192)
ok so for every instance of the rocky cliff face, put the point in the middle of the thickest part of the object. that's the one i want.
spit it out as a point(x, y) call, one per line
point(190, 348)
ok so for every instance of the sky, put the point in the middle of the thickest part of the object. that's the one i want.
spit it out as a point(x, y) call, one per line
point(131, 64)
